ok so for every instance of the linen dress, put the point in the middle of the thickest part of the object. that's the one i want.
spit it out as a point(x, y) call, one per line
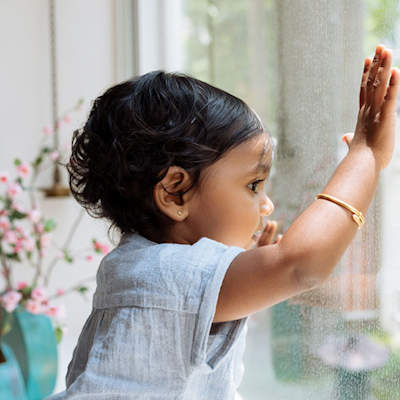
point(150, 334)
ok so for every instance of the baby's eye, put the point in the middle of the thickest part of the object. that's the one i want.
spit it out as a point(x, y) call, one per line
point(254, 185)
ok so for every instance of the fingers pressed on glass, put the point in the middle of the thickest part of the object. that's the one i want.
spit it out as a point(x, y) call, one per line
point(268, 233)
point(363, 88)
point(392, 91)
point(372, 75)
point(381, 80)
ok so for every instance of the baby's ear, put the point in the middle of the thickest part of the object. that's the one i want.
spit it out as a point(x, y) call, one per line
point(168, 193)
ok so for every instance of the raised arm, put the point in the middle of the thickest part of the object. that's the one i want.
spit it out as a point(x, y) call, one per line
point(317, 239)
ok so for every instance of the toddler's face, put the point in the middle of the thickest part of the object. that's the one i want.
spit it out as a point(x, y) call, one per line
point(230, 202)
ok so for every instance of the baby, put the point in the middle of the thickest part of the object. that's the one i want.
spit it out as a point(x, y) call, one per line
point(178, 167)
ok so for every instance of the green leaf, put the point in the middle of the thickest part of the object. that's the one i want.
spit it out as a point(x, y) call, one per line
point(37, 161)
point(17, 215)
point(81, 100)
point(29, 255)
point(5, 328)
point(67, 257)
point(49, 225)
point(26, 291)
point(59, 333)
point(46, 149)
point(83, 289)
point(13, 256)
point(17, 162)
point(5, 321)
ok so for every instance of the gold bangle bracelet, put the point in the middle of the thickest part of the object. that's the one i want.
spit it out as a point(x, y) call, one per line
point(357, 216)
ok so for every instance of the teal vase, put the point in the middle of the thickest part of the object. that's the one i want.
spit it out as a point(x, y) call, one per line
point(34, 344)
point(12, 386)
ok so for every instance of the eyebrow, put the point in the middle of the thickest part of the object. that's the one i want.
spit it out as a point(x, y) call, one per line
point(261, 168)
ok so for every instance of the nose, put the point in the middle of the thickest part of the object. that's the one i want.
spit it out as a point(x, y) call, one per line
point(267, 207)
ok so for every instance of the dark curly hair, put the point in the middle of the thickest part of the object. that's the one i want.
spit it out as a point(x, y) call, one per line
point(139, 128)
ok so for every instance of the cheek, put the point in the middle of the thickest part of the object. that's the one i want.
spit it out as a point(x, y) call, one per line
point(233, 208)
point(246, 212)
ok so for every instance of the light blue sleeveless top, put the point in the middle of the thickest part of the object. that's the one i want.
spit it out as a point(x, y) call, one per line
point(150, 334)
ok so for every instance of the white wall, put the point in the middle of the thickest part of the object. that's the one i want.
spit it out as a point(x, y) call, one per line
point(86, 66)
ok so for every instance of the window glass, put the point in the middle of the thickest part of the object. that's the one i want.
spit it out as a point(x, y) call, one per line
point(299, 64)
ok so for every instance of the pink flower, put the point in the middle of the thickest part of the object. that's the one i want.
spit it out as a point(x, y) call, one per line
point(89, 257)
point(39, 228)
point(60, 292)
point(47, 130)
point(100, 248)
point(22, 285)
point(56, 311)
point(45, 239)
point(11, 237)
point(4, 177)
point(14, 189)
point(21, 231)
point(4, 223)
point(67, 118)
point(34, 307)
point(23, 169)
point(60, 254)
point(10, 300)
point(58, 124)
point(38, 294)
point(34, 215)
point(44, 303)
point(54, 155)
point(18, 246)
point(29, 244)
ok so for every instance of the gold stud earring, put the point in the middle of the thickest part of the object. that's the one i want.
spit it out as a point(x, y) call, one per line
point(179, 212)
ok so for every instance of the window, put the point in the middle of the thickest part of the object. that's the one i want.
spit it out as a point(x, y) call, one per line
point(299, 64)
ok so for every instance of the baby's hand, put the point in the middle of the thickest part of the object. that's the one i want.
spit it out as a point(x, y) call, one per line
point(376, 120)
point(268, 234)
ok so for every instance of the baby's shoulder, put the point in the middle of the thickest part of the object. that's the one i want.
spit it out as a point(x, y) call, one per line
point(167, 275)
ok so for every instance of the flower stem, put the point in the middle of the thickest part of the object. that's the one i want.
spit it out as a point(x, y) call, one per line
point(66, 244)
point(72, 288)
point(7, 272)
